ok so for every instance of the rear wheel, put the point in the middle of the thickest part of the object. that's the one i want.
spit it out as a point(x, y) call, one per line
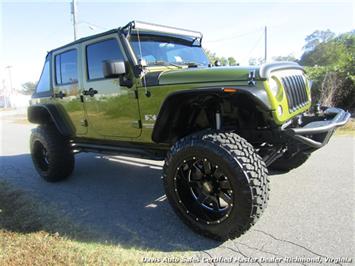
point(51, 154)
point(216, 183)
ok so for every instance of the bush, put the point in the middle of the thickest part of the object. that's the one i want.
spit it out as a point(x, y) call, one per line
point(330, 65)
point(332, 87)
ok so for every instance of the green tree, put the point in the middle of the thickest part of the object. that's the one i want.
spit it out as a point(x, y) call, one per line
point(330, 64)
point(29, 87)
point(317, 37)
point(212, 57)
point(289, 57)
point(232, 61)
point(256, 61)
point(223, 60)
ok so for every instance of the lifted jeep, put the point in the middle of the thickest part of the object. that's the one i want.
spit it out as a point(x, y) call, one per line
point(150, 91)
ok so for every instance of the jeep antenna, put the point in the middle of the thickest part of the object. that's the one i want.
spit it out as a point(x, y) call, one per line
point(73, 12)
point(147, 92)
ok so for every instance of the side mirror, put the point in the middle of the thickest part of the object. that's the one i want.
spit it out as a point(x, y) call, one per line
point(142, 62)
point(113, 69)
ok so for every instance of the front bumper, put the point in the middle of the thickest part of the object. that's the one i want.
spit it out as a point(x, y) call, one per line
point(316, 130)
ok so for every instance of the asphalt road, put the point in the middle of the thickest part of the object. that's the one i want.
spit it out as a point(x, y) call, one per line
point(310, 212)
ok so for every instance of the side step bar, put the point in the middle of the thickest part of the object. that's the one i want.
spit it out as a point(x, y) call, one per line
point(145, 153)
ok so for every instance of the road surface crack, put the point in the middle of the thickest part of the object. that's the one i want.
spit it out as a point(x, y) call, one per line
point(239, 251)
point(295, 244)
point(260, 250)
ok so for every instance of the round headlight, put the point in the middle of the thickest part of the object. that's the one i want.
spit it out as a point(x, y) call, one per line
point(274, 86)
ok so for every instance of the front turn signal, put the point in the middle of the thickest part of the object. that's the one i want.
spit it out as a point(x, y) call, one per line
point(229, 90)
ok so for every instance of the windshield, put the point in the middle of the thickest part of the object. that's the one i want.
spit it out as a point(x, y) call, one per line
point(161, 50)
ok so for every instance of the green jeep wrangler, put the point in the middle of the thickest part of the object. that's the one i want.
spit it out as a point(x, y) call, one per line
point(149, 91)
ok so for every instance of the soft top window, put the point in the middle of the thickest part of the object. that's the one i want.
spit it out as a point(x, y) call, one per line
point(43, 84)
point(66, 68)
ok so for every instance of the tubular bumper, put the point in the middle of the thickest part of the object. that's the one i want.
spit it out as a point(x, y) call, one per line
point(317, 133)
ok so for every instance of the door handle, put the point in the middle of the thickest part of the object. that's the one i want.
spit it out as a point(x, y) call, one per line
point(60, 95)
point(91, 92)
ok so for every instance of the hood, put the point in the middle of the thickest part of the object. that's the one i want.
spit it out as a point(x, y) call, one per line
point(199, 75)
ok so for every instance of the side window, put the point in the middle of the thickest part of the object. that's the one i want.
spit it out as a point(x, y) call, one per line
point(99, 52)
point(66, 68)
point(44, 81)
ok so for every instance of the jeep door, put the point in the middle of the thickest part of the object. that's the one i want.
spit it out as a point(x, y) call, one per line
point(112, 110)
point(66, 82)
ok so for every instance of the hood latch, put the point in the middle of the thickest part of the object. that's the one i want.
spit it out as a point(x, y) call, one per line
point(251, 78)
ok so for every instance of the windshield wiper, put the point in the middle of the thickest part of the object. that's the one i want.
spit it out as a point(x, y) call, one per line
point(192, 64)
point(163, 63)
point(179, 64)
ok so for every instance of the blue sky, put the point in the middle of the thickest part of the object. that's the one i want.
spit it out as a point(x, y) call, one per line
point(231, 28)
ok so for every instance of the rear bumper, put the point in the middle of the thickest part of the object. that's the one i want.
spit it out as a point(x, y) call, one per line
point(316, 131)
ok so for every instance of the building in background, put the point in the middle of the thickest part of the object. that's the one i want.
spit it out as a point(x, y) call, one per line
point(12, 98)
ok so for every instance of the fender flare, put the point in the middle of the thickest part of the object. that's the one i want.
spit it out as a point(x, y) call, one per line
point(51, 113)
point(171, 106)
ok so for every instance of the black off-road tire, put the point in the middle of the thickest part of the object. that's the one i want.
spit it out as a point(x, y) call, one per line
point(51, 153)
point(287, 163)
point(247, 175)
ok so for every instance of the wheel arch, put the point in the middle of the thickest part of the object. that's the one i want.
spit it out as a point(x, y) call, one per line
point(45, 114)
point(177, 110)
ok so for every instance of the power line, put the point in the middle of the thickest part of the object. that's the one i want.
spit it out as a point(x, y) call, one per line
point(256, 44)
point(236, 36)
point(91, 24)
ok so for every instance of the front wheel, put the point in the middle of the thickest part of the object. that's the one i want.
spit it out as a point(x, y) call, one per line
point(216, 184)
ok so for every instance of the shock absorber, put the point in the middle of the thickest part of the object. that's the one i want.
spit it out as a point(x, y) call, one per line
point(218, 119)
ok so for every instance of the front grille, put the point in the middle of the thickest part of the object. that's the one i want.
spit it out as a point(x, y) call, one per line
point(296, 93)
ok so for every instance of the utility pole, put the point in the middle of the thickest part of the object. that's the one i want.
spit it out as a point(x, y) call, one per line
point(9, 92)
point(5, 94)
point(73, 12)
point(10, 78)
point(265, 34)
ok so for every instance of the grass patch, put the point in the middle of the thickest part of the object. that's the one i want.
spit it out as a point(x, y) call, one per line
point(3, 109)
point(16, 118)
point(34, 234)
point(22, 121)
point(41, 248)
point(348, 129)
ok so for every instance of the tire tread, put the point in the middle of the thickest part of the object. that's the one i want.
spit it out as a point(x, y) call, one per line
point(62, 157)
point(250, 162)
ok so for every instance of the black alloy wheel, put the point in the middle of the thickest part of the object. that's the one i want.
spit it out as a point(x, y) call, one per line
point(216, 183)
point(40, 155)
point(51, 153)
point(204, 190)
